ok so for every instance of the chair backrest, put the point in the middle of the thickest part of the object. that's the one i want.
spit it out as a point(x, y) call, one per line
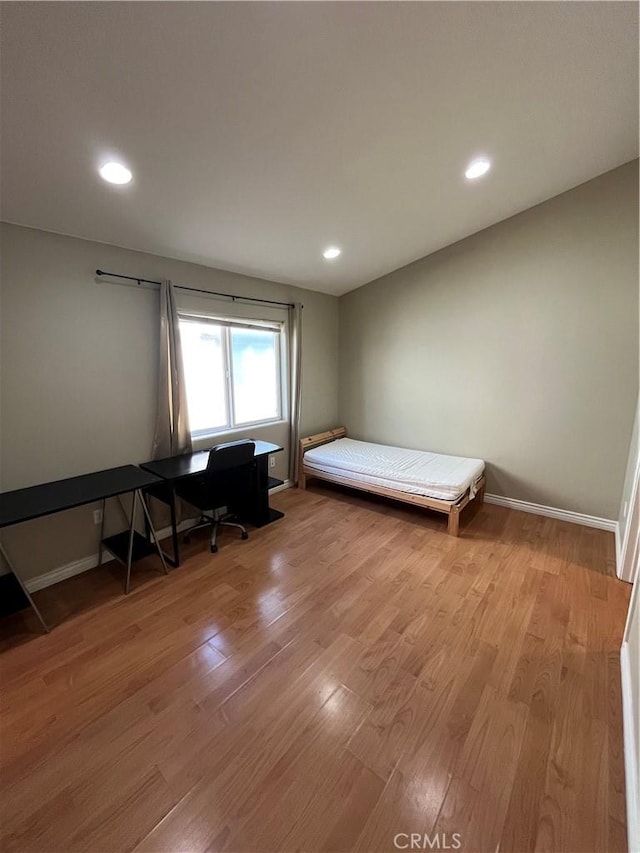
point(230, 476)
point(232, 454)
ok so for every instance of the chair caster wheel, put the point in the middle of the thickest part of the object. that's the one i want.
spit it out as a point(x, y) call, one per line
point(214, 549)
point(245, 536)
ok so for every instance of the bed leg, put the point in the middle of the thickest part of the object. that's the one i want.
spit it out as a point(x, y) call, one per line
point(454, 521)
point(480, 495)
point(302, 480)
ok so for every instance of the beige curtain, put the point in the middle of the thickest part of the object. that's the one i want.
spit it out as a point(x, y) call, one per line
point(295, 386)
point(172, 435)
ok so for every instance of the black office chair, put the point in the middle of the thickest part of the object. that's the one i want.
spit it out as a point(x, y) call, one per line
point(227, 482)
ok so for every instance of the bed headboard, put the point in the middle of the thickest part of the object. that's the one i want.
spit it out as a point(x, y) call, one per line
point(318, 439)
point(321, 438)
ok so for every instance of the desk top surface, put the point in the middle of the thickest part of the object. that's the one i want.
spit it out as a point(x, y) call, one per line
point(48, 498)
point(177, 467)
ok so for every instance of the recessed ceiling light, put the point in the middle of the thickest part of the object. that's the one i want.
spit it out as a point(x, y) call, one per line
point(115, 173)
point(477, 168)
point(332, 252)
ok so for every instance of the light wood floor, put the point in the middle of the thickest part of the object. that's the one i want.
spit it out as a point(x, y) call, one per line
point(349, 674)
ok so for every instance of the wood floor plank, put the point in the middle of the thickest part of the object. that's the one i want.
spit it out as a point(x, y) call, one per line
point(398, 810)
point(349, 673)
point(485, 772)
point(519, 831)
point(379, 741)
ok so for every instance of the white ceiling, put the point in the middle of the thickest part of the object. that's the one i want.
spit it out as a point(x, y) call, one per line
point(260, 133)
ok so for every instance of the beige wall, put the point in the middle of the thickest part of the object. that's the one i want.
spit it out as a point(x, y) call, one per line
point(518, 345)
point(79, 371)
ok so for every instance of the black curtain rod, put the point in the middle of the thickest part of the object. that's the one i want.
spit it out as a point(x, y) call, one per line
point(198, 290)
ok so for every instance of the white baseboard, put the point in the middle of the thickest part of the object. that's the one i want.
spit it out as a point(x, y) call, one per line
point(553, 512)
point(77, 567)
point(631, 769)
point(286, 485)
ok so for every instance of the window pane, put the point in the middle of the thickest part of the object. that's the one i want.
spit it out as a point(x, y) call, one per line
point(255, 375)
point(203, 354)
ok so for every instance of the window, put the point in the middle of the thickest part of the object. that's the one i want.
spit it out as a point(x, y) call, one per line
point(232, 371)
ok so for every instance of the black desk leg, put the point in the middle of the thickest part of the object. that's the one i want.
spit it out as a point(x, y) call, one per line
point(174, 526)
point(24, 589)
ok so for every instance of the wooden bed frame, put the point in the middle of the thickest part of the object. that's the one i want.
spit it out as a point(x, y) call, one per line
point(450, 509)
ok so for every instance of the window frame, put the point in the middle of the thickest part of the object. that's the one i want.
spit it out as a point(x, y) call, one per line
point(227, 324)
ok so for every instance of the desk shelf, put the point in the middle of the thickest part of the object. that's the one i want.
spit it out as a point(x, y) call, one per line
point(274, 482)
point(118, 545)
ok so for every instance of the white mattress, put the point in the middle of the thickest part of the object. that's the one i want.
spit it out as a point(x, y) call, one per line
point(413, 471)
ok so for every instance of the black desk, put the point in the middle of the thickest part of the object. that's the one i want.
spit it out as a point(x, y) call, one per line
point(176, 468)
point(49, 498)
